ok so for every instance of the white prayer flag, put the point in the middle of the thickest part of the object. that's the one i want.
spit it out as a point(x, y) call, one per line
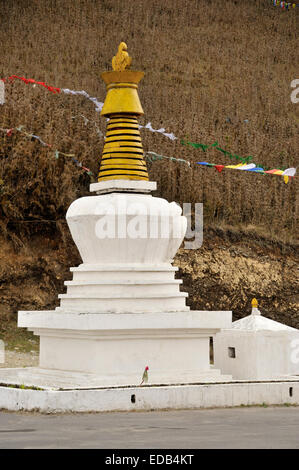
point(2, 92)
point(98, 104)
point(289, 172)
point(247, 167)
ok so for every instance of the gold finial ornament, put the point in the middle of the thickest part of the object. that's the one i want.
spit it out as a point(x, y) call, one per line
point(121, 60)
point(122, 156)
point(254, 303)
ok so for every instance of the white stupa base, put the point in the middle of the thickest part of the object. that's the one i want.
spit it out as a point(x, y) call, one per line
point(50, 379)
point(116, 348)
point(130, 186)
point(146, 398)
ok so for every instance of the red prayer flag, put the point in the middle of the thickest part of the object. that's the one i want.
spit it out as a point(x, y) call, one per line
point(219, 168)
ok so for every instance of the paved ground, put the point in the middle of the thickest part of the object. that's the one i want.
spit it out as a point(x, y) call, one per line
point(198, 429)
point(20, 359)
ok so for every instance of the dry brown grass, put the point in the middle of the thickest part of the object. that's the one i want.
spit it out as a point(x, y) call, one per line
point(204, 62)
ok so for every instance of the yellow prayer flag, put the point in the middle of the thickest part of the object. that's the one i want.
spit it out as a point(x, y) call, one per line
point(235, 166)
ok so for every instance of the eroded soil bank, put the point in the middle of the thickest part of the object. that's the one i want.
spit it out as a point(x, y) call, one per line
point(224, 274)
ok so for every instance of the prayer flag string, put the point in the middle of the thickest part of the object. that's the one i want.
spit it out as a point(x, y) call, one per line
point(288, 173)
point(151, 156)
point(98, 104)
point(19, 129)
point(285, 5)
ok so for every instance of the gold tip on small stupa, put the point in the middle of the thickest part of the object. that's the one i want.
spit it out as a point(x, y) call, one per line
point(254, 303)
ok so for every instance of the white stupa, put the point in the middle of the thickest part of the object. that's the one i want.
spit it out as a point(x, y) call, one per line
point(123, 311)
point(257, 348)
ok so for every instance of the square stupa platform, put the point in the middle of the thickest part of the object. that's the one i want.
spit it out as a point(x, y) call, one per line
point(88, 349)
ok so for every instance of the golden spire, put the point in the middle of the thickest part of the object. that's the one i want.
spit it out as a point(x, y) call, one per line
point(254, 303)
point(122, 156)
point(121, 60)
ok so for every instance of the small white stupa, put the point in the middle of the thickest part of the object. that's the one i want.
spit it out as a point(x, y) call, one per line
point(257, 348)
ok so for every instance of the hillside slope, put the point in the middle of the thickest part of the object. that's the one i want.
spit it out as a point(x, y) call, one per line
point(229, 270)
point(213, 71)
